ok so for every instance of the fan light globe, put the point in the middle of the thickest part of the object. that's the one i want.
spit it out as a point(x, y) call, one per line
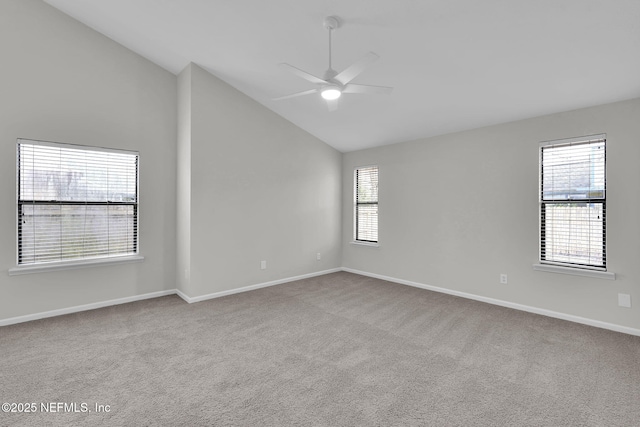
point(330, 93)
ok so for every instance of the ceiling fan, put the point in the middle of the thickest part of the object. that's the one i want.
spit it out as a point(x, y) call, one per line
point(334, 84)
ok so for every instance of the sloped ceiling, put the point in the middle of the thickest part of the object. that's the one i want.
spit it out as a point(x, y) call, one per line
point(454, 65)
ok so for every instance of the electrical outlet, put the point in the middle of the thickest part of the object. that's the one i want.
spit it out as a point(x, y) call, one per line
point(263, 265)
point(503, 279)
point(318, 256)
point(624, 300)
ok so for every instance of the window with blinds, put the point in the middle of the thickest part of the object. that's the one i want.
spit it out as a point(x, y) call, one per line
point(573, 202)
point(366, 212)
point(75, 202)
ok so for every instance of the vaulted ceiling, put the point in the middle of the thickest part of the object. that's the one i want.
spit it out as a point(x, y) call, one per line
point(454, 65)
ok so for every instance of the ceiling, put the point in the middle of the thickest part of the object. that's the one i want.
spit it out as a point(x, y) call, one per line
point(454, 64)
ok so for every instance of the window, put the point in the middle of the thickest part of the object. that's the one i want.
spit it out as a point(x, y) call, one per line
point(573, 202)
point(75, 202)
point(366, 217)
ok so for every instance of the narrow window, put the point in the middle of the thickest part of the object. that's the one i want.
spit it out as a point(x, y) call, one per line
point(75, 202)
point(573, 202)
point(366, 215)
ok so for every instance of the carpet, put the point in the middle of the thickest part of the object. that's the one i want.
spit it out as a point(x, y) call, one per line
point(334, 350)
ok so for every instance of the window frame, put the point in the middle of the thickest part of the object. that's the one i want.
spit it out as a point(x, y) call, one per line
point(23, 267)
point(561, 266)
point(356, 204)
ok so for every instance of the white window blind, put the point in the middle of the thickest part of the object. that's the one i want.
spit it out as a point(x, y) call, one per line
point(573, 202)
point(75, 202)
point(366, 204)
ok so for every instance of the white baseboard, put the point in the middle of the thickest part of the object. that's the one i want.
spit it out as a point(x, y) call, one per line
point(521, 307)
point(85, 307)
point(185, 297)
point(253, 287)
point(93, 306)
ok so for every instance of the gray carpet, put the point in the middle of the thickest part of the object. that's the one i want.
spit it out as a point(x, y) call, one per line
point(335, 350)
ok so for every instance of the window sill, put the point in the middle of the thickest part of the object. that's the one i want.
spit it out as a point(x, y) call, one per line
point(574, 271)
point(370, 244)
point(72, 265)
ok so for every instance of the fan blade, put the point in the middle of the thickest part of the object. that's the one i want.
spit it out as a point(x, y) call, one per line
point(354, 88)
point(293, 95)
point(332, 104)
point(298, 72)
point(356, 68)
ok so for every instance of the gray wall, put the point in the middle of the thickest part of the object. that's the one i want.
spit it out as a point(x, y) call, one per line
point(63, 82)
point(225, 183)
point(457, 210)
point(183, 184)
point(260, 189)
